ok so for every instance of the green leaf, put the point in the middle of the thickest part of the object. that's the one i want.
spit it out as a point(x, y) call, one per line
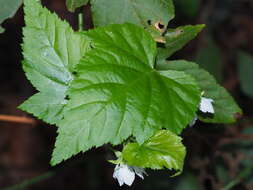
point(163, 150)
point(73, 4)
point(46, 106)
point(178, 38)
point(226, 109)
point(138, 12)
point(8, 10)
point(246, 73)
point(51, 50)
point(117, 93)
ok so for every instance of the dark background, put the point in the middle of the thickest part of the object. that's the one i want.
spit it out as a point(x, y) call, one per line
point(219, 157)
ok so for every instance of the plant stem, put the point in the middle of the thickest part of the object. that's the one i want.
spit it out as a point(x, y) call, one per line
point(17, 119)
point(80, 22)
point(244, 174)
point(31, 181)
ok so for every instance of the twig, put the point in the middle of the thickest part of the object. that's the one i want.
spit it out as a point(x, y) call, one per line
point(31, 181)
point(17, 119)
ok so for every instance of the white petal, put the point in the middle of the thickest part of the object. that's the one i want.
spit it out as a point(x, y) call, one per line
point(206, 105)
point(139, 172)
point(127, 175)
point(124, 175)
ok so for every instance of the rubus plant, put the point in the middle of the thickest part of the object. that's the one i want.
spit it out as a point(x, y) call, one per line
point(116, 85)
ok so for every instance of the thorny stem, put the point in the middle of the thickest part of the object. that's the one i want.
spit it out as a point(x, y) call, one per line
point(17, 119)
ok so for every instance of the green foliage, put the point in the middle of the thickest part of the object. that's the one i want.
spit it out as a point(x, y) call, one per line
point(120, 94)
point(136, 11)
point(163, 150)
point(112, 84)
point(245, 73)
point(8, 9)
point(225, 107)
point(73, 4)
point(45, 106)
point(51, 50)
point(209, 58)
point(177, 38)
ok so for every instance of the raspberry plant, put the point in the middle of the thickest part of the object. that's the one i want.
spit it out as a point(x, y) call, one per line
point(115, 84)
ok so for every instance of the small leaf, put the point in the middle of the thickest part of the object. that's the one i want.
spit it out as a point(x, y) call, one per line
point(138, 12)
point(8, 10)
point(246, 73)
point(51, 50)
point(178, 38)
point(163, 150)
point(73, 4)
point(225, 107)
point(117, 93)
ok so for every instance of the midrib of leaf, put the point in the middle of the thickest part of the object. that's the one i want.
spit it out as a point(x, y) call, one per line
point(53, 46)
point(171, 44)
point(150, 93)
point(112, 44)
point(161, 83)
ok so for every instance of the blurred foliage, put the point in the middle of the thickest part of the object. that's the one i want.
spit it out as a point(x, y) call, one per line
point(209, 58)
point(245, 65)
point(189, 8)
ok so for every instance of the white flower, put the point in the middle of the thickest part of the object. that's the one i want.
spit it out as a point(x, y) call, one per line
point(206, 105)
point(126, 174)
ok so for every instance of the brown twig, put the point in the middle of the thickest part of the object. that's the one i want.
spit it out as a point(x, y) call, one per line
point(17, 119)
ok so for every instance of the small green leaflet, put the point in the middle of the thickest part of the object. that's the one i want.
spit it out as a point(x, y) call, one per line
point(138, 12)
point(178, 38)
point(8, 9)
point(226, 109)
point(163, 150)
point(51, 50)
point(117, 93)
point(73, 4)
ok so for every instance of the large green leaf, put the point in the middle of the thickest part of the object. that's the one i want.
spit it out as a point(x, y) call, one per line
point(51, 50)
point(178, 38)
point(73, 4)
point(117, 93)
point(163, 150)
point(138, 12)
point(226, 109)
point(8, 9)
point(246, 73)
